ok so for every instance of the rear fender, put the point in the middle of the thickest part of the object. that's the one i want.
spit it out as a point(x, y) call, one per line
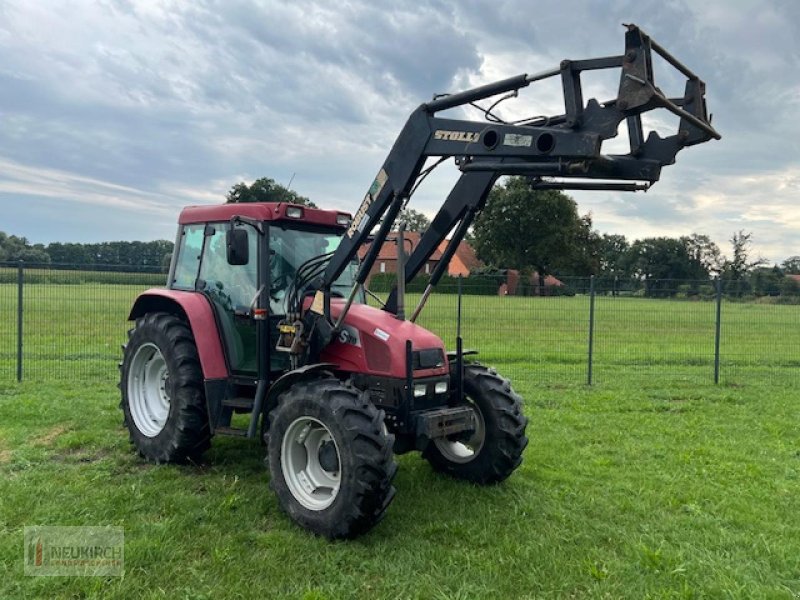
point(196, 310)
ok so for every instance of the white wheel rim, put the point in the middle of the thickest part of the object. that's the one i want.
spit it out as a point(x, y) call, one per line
point(148, 390)
point(466, 450)
point(310, 483)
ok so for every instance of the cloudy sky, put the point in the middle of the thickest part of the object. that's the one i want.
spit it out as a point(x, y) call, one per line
point(116, 113)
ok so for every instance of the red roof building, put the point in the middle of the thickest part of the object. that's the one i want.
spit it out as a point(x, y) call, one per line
point(463, 263)
point(464, 260)
point(387, 257)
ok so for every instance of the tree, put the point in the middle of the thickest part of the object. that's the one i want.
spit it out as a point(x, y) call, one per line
point(266, 190)
point(737, 268)
point(415, 221)
point(790, 287)
point(705, 252)
point(584, 259)
point(766, 281)
point(527, 229)
point(70, 254)
point(791, 265)
point(13, 248)
point(661, 260)
point(612, 250)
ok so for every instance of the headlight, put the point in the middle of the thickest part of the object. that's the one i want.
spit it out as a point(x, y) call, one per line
point(420, 390)
point(440, 387)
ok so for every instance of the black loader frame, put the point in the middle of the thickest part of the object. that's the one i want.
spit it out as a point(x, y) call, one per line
point(556, 152)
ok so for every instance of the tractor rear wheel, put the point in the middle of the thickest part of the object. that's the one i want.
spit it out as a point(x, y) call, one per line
point(330, 458)
point(494, 450)
point(163, 401)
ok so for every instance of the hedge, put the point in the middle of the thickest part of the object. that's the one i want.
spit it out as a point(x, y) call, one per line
point(382, 283)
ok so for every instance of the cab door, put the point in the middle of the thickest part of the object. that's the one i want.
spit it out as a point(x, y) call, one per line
point(232, 291)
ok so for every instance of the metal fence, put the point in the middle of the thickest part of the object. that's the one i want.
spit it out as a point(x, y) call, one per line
point(60, 322)
point(66, 321)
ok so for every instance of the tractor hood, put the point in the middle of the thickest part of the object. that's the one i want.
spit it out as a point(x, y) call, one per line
point(373, 341)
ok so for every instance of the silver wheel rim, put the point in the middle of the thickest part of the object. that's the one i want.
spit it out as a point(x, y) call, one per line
point(310, 483)
point(148, 390)
point(464, 451)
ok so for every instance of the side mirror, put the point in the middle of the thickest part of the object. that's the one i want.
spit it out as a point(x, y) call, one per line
point(237, 247)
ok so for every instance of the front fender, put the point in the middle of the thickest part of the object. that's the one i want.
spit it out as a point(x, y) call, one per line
point(292, 377)
point(196, 310)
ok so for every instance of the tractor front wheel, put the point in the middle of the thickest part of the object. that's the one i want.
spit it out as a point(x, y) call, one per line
point(330, 458)
point(162, 390)
point(494, 450)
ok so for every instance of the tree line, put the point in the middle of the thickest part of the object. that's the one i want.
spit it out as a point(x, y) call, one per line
point(541, 231)
point(154, 254)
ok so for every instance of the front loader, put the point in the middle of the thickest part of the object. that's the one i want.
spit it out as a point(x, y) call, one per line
point(265, 315)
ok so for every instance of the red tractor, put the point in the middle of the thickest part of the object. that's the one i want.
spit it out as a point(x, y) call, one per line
point(264, 311)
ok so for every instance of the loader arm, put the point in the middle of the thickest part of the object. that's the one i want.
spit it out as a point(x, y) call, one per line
point(561, 151)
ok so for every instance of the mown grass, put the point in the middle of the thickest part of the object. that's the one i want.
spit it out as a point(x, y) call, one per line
point(626, 491)
point(652, 483)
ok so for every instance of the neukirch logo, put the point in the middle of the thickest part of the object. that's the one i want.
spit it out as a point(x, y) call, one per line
point(456, 136)
point(74, 551)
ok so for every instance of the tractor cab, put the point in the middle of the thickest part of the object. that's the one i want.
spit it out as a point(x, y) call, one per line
point(244, 258)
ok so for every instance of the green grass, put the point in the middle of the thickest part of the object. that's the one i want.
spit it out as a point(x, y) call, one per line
point(652, 483)
point(76, 330)
point(666, 490)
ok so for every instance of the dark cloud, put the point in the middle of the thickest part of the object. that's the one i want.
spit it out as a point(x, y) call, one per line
point(157, 104)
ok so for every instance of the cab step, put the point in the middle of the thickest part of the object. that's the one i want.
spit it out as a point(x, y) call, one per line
point(240, 403)
point(233, 431)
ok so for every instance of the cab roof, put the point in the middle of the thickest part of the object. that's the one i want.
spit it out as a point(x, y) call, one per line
point(261, 211)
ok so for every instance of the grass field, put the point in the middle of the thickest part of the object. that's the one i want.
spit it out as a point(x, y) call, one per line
point(652, 483)
point(76, 330)
point(678, 491)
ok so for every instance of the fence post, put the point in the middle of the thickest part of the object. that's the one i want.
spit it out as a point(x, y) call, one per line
point(591, 328)
point(717, 330)
point(459, 349)
point(20, 282)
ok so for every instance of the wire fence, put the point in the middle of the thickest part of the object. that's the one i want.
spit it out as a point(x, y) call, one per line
point(71, 322)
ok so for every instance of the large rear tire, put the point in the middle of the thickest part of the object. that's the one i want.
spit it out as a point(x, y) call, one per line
point(330, 458)
point(163, 401)
point(494, 450)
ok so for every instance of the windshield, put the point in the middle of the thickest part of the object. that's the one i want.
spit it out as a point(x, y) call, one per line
point(290, 248)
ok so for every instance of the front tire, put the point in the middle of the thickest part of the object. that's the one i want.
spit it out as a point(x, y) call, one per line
point(494, 450)
point(330, 458)
point(163, 401)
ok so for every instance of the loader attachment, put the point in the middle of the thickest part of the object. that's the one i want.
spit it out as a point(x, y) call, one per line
point(561, 151)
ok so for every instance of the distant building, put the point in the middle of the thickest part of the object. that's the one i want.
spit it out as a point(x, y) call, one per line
point(387, 257)
point(512, 283)
point(464, 260)
point(463, 263)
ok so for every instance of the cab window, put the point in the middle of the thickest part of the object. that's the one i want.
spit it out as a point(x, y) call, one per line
point(188, 261)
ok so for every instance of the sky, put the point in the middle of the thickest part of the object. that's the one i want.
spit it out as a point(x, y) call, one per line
point(114, 114)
